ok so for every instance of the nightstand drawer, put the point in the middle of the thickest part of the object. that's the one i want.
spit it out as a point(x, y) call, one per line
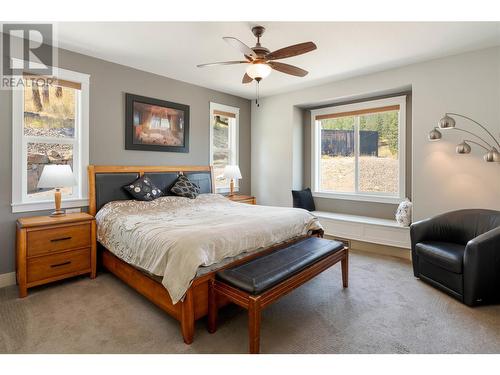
point(45, 267)
point(49, 240)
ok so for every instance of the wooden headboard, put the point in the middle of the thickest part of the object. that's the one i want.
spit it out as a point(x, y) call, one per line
point(106, 181)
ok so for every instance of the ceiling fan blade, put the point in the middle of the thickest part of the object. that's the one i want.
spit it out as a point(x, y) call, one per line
point(222, 63)
point(288, 69)
point(246, 79)
point(240, 46)
point(290, 51)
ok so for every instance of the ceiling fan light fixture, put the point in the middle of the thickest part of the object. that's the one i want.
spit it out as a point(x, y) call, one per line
point(258, 70)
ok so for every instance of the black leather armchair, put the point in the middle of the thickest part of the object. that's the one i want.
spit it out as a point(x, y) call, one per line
point(459, 253)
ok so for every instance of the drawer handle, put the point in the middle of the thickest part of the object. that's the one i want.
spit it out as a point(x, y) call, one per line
point(60, 239)
point(60, 264)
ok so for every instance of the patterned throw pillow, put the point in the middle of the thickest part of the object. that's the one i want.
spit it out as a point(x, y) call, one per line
point(183, 187)
point(143, 189)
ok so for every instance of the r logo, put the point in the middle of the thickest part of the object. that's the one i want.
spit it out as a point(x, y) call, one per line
point(27, 47)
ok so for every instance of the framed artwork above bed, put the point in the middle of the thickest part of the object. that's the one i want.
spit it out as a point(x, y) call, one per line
point(155, 125)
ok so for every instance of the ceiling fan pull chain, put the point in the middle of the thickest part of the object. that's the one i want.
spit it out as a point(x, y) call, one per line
point(257, 99)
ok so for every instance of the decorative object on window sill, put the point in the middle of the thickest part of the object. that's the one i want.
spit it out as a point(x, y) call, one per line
point(232, 172)
point(260, 59)
point(448, 122)
point(57, 176)
point(403, 213)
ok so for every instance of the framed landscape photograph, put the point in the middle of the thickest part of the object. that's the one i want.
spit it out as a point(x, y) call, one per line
point(156, 125)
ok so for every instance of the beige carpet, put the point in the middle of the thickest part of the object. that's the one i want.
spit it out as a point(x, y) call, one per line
point(385, 310)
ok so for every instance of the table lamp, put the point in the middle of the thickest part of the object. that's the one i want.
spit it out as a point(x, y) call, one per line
point(232, 172)
point(57, 176)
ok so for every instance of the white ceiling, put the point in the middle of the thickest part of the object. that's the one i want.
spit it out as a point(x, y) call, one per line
point(173, 49)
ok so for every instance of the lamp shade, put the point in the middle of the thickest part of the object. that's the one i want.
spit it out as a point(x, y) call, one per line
point(435, 135)
point(56, 176)
point(446, 122)
point(463, 148)
point(258, 70)
point(232, 172)
point(492, 155)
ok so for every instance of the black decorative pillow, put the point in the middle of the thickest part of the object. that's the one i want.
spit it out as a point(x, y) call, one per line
point(303, 199)
point(143, 189)
point(183, 187)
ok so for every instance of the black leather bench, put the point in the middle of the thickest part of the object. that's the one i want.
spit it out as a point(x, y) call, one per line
point(261, 281)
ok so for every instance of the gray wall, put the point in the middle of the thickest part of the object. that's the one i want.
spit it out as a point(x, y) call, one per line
point(108, 84)
point(441, 180)
point(373, 209)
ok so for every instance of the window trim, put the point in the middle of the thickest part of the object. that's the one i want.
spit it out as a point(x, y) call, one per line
point(20, 203)
point(364, 196)
point(234, 137)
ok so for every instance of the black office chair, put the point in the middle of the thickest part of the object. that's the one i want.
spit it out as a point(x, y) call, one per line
point(459, 253)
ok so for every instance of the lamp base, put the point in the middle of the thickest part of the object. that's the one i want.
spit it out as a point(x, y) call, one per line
point(231, 188)
point(57, 199)
point(57, 213)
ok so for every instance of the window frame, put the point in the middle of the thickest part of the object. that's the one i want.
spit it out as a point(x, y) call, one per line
point(357, 195)
point(233, 139)
point(21, 202)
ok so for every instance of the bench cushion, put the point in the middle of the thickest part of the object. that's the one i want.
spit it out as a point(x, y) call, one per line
point(260, 274)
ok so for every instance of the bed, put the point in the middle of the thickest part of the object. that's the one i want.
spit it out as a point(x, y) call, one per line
point(169, 249)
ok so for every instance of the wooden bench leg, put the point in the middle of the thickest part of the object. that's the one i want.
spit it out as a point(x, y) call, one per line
point(212, 308)
point(345, 269)
point(187, 317)
point(254, 325)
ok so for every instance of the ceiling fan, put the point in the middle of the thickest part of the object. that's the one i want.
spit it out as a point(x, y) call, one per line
point(261, 61)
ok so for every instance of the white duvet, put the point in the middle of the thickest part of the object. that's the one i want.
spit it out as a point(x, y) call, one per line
point(172, 237)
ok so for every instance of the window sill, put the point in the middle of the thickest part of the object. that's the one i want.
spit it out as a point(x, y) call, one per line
point(359, 197)
point(48, 205)
point(357, 219)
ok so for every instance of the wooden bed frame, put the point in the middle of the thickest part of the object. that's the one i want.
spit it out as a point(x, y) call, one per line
point(195, 303)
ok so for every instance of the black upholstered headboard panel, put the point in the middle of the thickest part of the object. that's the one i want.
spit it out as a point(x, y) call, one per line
point(105, 183)
point(108, 187)
point(165, 180)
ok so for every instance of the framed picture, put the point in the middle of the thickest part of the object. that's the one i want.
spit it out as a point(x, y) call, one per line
point(156, 125)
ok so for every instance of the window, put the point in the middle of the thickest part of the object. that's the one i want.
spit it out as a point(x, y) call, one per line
point(50, 126)
point(224, 122)
point(358, 151)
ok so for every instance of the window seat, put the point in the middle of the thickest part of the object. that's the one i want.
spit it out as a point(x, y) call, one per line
point(364, 228)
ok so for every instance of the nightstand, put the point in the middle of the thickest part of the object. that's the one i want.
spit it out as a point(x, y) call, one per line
point(54, 248)
point(242, 198)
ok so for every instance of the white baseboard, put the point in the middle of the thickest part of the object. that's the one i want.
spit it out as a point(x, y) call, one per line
point(7, 279)
point(373, 248)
